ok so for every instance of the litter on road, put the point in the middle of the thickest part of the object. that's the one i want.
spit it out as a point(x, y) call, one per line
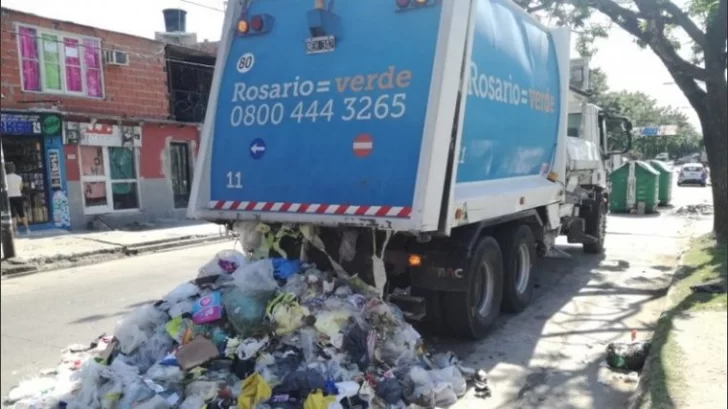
point(269, 333)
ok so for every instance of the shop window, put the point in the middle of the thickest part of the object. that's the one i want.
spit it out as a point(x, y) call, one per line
point(123, 178)
point(110, 178)
point(56, 62)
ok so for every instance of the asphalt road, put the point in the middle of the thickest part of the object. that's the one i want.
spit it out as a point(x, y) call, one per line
point(548, 356)
point(45, 312)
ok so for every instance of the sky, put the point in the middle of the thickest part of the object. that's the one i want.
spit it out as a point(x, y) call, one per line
point(627, 66)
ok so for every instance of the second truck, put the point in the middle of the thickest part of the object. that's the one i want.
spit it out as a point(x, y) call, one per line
point(430, 147)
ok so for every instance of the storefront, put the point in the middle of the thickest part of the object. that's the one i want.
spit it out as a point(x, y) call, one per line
point(104, 161)
point(33, 142)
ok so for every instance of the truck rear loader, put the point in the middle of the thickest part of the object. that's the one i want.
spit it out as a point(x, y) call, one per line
point(430, 146)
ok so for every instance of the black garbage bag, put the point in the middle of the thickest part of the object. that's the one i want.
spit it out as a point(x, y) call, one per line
point(355, 344)
point(628, 355)
point(300, 384)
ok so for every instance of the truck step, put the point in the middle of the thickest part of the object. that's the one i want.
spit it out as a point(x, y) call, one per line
point(413, 308)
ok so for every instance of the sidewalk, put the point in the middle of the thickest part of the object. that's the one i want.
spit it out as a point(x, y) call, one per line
point(53, 249)
point(687, 364)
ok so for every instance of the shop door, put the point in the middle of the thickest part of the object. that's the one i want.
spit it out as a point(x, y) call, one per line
point(26, 152)
point(180, 166)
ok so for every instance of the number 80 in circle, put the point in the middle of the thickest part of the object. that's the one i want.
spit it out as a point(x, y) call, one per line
point(245, 63)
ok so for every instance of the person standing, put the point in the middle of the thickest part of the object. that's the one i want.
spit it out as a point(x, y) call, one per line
point(15, 194)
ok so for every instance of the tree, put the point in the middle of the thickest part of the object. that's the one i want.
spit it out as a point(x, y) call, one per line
point(645, 111)
point(701, 78)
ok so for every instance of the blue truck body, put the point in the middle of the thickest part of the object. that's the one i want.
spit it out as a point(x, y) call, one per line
point(347, 114)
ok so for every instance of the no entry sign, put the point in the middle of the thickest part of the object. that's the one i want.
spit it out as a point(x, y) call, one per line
point(363, 145)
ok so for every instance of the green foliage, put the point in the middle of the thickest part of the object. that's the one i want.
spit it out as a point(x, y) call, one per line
point(644, 110)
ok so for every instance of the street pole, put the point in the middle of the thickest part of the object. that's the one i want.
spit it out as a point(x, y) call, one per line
point(8, 239)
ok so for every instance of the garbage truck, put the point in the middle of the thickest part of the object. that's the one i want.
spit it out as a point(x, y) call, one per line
point(430, 159)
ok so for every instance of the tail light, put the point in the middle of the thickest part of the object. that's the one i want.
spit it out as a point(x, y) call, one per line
point(255, 25)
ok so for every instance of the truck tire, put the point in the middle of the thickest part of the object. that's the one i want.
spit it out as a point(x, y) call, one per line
point(519, 252)
point(596, 225)
point(473, 313)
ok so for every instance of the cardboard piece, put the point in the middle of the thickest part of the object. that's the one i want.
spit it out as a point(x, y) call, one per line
point(196, 352)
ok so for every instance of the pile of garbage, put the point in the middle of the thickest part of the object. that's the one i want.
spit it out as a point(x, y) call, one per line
point(269, 333)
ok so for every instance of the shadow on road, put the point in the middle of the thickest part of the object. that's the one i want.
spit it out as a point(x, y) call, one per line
point(518, 341)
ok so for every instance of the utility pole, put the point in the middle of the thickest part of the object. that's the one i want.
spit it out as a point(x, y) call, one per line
point(8, 239)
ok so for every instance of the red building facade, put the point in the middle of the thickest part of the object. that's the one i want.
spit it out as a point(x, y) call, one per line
point(88, 120)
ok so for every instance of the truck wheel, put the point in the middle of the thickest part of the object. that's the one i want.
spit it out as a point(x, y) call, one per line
point(519, 252)
point(596, 226)
point(473, 313)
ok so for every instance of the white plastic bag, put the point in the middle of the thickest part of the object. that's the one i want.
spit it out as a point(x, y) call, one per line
point(224, 262)
point(127, 373)
point(181, 293)
point(137, 327)
point(450, 375)
point(250, 236)
point(424, 389)
point(256, 278)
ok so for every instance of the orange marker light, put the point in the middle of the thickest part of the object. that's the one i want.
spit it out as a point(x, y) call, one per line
point(243, 26)
point(414, 260)
point(420, 2)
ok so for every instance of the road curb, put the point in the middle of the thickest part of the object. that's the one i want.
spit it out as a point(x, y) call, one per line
point(94, 257)
point(644, 379)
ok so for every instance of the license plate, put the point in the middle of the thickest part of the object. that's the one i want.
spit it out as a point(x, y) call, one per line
point(318, 45)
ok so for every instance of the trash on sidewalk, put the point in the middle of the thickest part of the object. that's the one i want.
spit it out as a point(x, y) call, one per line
point(628, 355)
point(245, 334)
point(717, 286)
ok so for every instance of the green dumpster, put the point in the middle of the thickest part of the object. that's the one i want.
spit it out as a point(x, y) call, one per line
point(618, 197)
point(635, 187)
point(665, 195)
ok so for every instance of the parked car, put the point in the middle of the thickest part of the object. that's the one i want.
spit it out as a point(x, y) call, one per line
point(663, 156)
point(693, 173)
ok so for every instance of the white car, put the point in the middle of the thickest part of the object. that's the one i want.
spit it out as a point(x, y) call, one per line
point(693, 173)
point(663, 156)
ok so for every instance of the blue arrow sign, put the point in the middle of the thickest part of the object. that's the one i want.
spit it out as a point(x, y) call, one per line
point(257, 148)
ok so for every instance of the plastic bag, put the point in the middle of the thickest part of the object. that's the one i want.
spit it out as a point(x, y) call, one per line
point(164, 374)
point(347, 248)
point(152, 350)
point(193, 402)
point(253, 390)
point(250, 236)
point(181, 308)
point(256, 278)
point(452, 376)
point(224, 262)
point(250, 347)
point(245, 312)
point(181, 293)
point(283, 269)
point(137, 327)
point(100, 387)
point(126, 373)
point(423, 391)
point(444, 395)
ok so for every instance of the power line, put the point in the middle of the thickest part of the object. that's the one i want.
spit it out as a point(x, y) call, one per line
point(204, 6)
